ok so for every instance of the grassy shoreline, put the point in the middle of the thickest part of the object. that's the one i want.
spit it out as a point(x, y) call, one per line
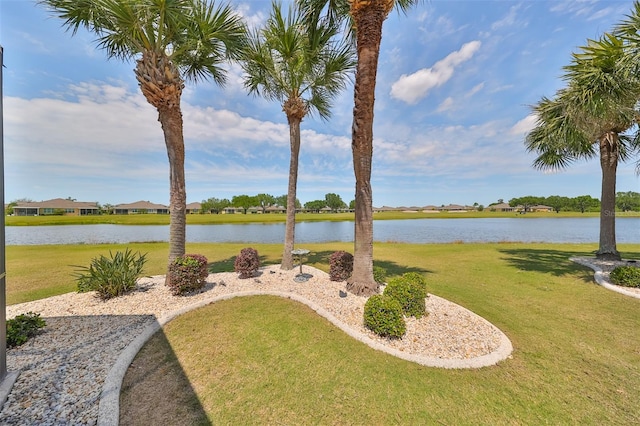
point(214, 219)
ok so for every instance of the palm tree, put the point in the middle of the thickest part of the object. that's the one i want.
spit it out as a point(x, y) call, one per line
point(303, 66)
point(171, 40)
point(587, 118)
point(366, 19)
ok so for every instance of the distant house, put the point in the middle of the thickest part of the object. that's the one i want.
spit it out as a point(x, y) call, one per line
point(504, 207)
point(232, 210)
point(194, 208)
point(275, 209)
point(453, 208)
point(541, 208)
point(57, 206)
point(141, 207)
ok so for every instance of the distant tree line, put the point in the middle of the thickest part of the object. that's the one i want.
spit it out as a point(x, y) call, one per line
point(625, 201)
point(264, 201)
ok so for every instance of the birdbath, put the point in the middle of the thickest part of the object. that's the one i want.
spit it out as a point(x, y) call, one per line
point(299, 255)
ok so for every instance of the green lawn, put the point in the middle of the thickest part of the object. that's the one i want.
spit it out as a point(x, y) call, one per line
point(264, 360)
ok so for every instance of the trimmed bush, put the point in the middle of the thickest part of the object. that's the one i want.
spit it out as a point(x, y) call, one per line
point(379, 274)
point(626, 276)
point(340, 266)
point(410, 290)
point(113, 276)
point(187, 273)
point(247, 262)
point(22, 328)
point(383, 316)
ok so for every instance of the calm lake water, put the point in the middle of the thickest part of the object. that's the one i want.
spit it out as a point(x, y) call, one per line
point(551, 230)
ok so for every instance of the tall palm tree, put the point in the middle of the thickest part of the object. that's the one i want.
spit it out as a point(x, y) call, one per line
point(365, 18)
point(303, 66)
point(171, 41)
point(590, 117)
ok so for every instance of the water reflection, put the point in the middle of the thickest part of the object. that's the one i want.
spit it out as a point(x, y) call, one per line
point(552, 230)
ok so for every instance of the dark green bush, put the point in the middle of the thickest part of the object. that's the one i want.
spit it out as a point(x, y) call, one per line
point(627, 276)
point(383, 316)
point(340, 266)
point(410, 290)
point(379, 274)
point(113, 276)
point(23, 327)
point(247, 262)
point(187, 273)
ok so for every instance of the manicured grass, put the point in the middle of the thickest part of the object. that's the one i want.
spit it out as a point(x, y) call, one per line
point(264, 360)
point(203, 219)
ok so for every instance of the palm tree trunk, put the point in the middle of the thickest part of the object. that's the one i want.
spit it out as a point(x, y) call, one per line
point(368, 17)
point(609, 164)
point(290, 226)
point(171, 120)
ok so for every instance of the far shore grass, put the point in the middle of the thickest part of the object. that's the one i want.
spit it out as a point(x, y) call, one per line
point(263, 360)
point(213, 219)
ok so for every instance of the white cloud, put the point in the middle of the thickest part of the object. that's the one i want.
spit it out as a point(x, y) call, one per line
point(525, 125)
point(446, 105)
point(411, 88)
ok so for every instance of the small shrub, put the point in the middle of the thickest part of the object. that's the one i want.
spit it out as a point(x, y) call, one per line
point(113, 276)
point(383, 316)
point(340, 266)
point(379, 274)
point(626, 276)
point(188, 273)
point(410, 290)
point(23, 327)
point(247, 262)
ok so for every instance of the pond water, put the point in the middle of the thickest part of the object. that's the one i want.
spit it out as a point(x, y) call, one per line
point(551, 230)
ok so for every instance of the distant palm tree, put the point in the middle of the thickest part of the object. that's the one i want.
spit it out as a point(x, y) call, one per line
point(171, 40)
point(595, 110)
point(366, 19)
point(303, 66)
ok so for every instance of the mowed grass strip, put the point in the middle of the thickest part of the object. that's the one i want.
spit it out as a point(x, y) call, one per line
point(265, 360)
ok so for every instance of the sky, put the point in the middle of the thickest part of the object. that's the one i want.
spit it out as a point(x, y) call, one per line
point(455, 85)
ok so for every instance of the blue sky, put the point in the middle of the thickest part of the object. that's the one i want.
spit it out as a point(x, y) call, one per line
point(455, 83)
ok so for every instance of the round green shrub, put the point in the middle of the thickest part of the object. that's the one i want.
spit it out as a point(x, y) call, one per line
point(410, 290)
point(383, 316)
point(627, 276)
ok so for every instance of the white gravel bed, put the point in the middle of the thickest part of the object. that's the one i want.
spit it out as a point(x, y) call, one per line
point(62, 370)
point(602, 270)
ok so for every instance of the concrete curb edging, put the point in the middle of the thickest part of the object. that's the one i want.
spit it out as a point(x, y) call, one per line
point(109, 406)
point(601, 279)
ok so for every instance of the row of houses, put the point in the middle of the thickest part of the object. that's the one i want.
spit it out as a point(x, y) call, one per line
point(501, 207)
point(60, 206)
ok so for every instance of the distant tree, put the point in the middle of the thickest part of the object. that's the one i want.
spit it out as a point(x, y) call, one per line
point(334, 201)
point(526, 202)
point(628, 201)
point(500, 201)
point(557, 202)
point(352, 204)
point(584, 203)
point(315, 205)
point(244, 201)
point(265, 200)
point(70, 199)
point(206, 206)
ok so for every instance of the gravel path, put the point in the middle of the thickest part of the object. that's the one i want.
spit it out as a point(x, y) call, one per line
point(71, 373)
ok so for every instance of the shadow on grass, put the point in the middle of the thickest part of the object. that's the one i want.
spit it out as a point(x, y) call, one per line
point(555, 262)
point(320, 260)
